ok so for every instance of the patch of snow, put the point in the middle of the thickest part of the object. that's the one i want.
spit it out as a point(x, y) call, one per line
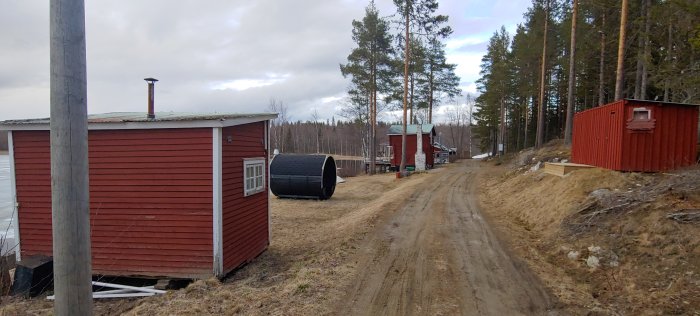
point(564, 160)
point(536, 167)
point(339, 179)
point(482, 156)
point(573, 255)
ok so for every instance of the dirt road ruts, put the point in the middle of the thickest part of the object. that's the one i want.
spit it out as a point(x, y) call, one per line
point(437, 256)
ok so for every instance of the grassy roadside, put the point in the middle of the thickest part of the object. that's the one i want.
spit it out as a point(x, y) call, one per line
point(601, 240)
point(305, 271)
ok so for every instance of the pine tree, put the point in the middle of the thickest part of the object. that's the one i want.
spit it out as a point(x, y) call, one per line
point(494, 84)
point(442, 82)
point(370, 66)
point(417, 16)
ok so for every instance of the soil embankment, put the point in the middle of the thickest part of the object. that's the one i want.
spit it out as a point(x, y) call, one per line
point(602, 241)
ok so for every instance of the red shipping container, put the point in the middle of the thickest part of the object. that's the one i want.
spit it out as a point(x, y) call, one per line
point(635, 135)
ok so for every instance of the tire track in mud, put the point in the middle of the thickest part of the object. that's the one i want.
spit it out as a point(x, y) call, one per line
point(437, 256)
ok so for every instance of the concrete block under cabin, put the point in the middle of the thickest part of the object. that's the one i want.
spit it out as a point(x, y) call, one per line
point(174, 196)
point(412, 131)
point(635, 135)
point(33, 276)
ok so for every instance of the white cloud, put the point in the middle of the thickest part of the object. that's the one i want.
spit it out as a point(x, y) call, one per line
point(225, 56)
point(331, 99)
point(245, 84)
point(457, 43)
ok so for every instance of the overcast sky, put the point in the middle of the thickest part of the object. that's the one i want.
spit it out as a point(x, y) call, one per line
point(218, 55)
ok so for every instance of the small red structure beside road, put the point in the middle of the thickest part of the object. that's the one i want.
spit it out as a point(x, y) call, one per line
point(176, 196)
point(634, 135)
point(428, 133)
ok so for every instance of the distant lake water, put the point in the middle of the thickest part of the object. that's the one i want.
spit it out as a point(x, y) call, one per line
point(6, 225)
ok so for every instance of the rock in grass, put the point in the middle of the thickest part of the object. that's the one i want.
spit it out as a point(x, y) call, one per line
point(593, 262)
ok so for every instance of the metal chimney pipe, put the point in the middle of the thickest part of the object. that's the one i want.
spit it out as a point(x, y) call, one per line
point(151, 92)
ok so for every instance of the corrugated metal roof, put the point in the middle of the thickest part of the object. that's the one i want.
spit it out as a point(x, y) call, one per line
point(131, 120)
point(410, 129)
point(123, 117)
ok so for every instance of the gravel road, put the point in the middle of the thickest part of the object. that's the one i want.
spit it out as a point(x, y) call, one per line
point(437, 255)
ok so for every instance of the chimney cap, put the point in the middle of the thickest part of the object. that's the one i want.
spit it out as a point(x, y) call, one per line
point(151, 80)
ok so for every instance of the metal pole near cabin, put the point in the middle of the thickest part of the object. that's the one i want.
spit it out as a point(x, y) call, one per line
point(69, 160)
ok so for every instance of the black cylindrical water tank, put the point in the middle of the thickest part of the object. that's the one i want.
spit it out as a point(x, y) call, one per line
point(303, 176)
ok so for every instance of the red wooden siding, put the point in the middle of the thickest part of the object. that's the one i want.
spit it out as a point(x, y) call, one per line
point(245, 219)
point(150, 200)
point(411, 148)
point(597, 136)
point(605, 140)
point(671, 144)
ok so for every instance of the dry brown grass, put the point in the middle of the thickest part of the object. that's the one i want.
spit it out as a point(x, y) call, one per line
point(308, 264)
point(658, 259)
point(305, 271)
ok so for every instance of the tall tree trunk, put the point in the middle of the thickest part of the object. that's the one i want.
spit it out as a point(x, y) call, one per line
point(541, 112)
point(647, 49)
point(373, 123)
point(402, 166)
point(527, 114)
point(570, 103)
point(502, 130)
point(411, 114)
point(667, 80)
point(619, 80)
point(430, 96)
point(601, 69)
point(640, 59)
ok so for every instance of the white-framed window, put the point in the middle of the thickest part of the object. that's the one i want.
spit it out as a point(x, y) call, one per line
point(641, 114)
point(253, 176)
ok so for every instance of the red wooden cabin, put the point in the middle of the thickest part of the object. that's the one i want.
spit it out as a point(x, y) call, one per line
point(634, 135)
point(178, 196)
point(428, 132)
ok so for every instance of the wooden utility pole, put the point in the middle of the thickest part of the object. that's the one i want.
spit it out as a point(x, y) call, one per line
point(541, 108)
point(619, 81)
point(402, 166)
point(571, 103)
point(69, 160)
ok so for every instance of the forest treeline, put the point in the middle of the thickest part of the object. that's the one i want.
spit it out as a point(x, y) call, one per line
point(398, 62)
point(351, 138)
point(659, 62)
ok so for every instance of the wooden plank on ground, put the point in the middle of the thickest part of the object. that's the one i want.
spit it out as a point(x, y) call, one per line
point(561, 169)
